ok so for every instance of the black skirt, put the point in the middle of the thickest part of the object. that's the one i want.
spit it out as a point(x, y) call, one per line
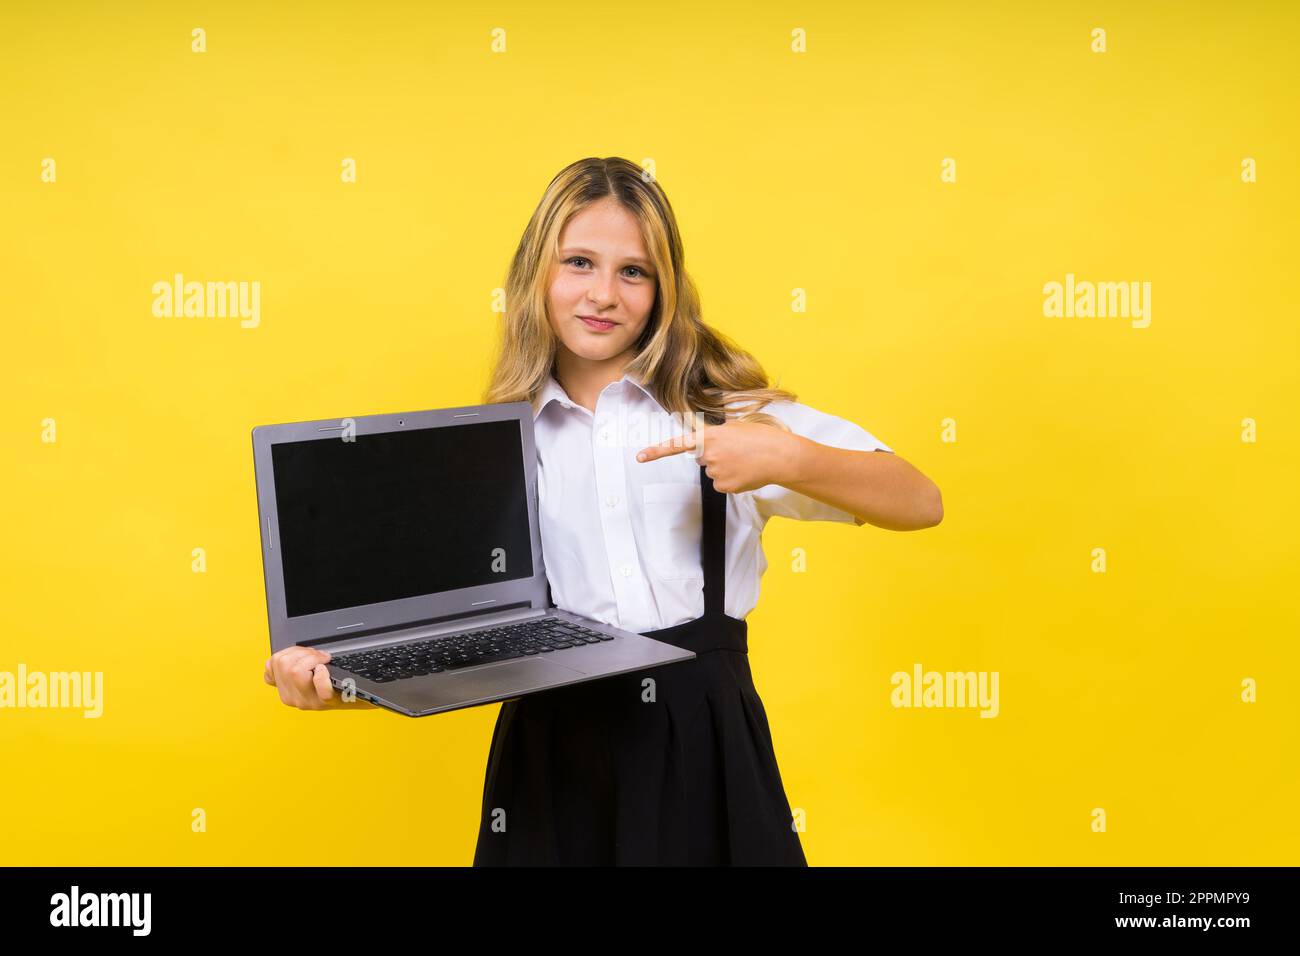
point(672, 765)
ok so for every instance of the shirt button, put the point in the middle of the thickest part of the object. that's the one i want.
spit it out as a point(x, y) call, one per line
point(627, 572)
point(604, 436)
point(611, 501)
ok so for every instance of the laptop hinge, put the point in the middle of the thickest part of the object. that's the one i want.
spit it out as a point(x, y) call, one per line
point(453, 622)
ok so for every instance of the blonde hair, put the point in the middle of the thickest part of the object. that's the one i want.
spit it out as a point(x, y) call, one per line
point(688, 366)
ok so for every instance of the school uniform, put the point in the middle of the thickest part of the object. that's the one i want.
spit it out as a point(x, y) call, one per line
point(616, 771)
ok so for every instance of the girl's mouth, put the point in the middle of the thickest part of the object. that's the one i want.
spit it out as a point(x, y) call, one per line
point(597, 325)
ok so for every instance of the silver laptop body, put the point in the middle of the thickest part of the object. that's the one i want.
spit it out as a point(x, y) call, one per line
point(382, 532)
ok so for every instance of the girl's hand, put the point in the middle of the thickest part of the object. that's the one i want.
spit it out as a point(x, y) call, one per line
point(303, 680)
point(738, 456)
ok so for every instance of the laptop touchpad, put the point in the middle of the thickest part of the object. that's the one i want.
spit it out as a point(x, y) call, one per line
point(518, 675)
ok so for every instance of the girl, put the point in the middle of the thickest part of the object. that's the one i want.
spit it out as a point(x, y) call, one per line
point(603, 335)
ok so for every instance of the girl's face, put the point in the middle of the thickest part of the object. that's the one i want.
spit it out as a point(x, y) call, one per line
point(603, 286)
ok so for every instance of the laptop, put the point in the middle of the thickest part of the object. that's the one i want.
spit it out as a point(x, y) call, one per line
point(407, 546)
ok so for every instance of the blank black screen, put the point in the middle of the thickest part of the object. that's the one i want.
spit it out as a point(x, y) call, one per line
point(400, 514)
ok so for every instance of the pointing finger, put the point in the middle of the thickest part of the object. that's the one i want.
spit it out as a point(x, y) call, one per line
point(673, 446)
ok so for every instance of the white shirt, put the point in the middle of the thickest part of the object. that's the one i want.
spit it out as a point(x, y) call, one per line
point(621, 538)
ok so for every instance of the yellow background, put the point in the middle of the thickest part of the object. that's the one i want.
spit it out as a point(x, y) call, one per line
point(817, 171)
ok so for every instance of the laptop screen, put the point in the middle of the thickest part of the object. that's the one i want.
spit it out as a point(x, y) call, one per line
point(401, 514)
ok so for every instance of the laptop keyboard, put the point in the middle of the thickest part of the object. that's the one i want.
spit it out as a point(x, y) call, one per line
point(432, 656)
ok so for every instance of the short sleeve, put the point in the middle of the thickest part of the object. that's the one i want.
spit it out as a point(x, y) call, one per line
point(826, 429)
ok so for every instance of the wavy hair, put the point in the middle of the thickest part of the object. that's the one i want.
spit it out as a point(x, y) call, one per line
point(689, 366)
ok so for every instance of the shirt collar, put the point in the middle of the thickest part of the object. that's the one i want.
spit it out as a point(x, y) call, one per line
point(553, 391)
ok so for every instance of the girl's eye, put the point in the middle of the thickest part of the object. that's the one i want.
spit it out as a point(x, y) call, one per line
point(572, 259)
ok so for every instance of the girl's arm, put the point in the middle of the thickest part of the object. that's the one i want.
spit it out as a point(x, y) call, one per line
point(877, 486)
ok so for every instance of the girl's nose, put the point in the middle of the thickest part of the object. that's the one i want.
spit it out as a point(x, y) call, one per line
point(602, 295)
point(603, 290)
